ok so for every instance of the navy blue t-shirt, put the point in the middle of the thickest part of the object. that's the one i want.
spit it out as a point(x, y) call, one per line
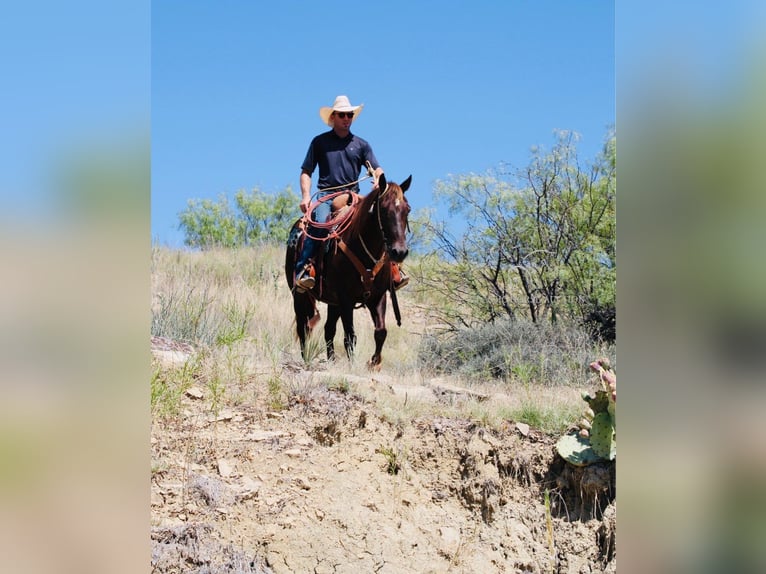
point(340, 160)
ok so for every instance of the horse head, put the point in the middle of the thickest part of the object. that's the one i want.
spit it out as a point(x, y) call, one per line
point(393, 210)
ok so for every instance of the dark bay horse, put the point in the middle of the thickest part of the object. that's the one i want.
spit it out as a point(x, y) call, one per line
point(356, 269)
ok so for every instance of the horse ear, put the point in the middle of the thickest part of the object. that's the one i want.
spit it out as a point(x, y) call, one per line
point(406, 184)
point(382, 182)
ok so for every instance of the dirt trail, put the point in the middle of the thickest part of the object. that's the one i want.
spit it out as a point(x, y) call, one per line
point(327, 485)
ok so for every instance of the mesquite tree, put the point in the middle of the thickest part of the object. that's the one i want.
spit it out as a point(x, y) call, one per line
point(256, 216)
point(538, 242)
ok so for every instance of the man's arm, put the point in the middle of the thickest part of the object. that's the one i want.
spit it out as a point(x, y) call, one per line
point(305, 191)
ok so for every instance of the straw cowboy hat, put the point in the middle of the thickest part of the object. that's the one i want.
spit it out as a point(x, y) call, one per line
point(341, 104)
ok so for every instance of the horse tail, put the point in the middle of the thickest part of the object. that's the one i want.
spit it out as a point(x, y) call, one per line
point(314, 319)
point(310, 324)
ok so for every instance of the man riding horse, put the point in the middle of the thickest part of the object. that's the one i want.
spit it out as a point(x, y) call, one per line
point(341, 156)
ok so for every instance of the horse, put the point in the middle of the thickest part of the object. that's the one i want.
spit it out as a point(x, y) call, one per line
point(355, 270)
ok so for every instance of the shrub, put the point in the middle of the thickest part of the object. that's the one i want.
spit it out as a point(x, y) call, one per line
point(518, 350)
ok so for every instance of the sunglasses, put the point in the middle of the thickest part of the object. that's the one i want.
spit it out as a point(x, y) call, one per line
point(344, 114)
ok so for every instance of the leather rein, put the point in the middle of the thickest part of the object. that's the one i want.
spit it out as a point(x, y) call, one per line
point(368, 275)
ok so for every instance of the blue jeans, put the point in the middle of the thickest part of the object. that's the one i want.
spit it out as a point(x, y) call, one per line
point(321, 214)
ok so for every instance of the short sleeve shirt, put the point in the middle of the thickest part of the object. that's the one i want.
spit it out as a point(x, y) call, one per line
point(340, 160)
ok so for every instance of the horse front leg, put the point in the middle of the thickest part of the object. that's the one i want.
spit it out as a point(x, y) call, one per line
point(378, 314)
point(330, 328)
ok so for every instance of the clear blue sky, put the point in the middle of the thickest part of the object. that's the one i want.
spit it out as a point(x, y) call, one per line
point(449, 87)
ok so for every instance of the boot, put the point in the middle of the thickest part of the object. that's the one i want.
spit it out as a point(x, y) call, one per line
point(400, 278)
point(305, 280)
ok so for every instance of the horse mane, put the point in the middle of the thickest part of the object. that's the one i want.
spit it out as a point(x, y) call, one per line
point(362, 213)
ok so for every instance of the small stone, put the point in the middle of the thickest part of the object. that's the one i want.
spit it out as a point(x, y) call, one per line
point(523, 428)
point(250, 488)
point(224, 415)
point(157, 499)
point(264, 435)
point(303, 482)
point(225, 468)
point(449, 540)
point(194, 393)
point(294, 452)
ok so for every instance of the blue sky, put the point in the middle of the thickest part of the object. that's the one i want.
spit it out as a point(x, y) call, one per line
point(449, 88)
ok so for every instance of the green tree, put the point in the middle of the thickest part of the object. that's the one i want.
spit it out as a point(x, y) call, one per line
point(266, 217)
point(256, 217)
point(207, 223)
point(539, 241)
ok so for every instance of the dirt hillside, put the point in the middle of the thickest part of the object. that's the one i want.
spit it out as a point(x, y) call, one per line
point(329, 484)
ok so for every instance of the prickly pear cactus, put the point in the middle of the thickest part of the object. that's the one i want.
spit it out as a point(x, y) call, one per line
point(602, 436)
point(597, 437)
point(577, 450)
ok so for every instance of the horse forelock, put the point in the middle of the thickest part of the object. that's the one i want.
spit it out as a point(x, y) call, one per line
point(396, 193)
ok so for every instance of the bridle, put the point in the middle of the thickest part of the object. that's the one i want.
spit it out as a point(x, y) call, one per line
point(368, 275)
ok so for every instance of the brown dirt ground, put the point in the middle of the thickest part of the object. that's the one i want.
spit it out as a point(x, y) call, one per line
point(328, 485)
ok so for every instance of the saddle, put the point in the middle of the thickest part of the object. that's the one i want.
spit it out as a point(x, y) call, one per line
point(340, 205)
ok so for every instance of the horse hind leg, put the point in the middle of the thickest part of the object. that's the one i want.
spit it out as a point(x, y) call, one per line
point(330, 328)
point(306, 318)
point(349, 335)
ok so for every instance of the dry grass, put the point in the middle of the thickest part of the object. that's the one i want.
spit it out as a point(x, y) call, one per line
point(235, 308)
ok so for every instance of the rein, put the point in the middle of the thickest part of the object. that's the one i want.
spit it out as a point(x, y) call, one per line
point(368, 275)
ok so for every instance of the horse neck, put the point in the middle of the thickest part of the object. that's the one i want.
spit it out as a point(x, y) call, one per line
point(366, 230)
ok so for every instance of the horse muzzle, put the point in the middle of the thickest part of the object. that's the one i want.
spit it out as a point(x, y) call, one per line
point(398, 254)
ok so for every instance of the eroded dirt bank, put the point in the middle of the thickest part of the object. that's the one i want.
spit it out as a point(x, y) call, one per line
point(328, 485)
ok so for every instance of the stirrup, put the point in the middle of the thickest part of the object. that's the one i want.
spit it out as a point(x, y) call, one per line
point(305, 281)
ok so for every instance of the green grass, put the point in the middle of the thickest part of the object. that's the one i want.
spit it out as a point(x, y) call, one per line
point(168, 386)
point(547, 418)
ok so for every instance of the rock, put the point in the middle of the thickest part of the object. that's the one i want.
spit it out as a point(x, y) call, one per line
point(449, 540)
point(523, 428)
point(225, 468)
point(447, 389)
point(264, 435)
point(224, 415)
point(303, 482)
point(250, 488)
point(294, 452)
point(194, 393)
point(157, 499)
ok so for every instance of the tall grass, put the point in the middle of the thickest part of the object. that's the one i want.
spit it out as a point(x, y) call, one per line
point(236, 308)
point(220, 297)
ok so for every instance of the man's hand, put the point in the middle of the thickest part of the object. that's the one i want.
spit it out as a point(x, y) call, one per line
point(375, 176)
point(304, 205)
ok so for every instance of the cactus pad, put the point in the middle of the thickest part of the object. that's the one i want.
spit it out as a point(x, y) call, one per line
point(576, 450)
point(599, 403)
point(602, 436)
